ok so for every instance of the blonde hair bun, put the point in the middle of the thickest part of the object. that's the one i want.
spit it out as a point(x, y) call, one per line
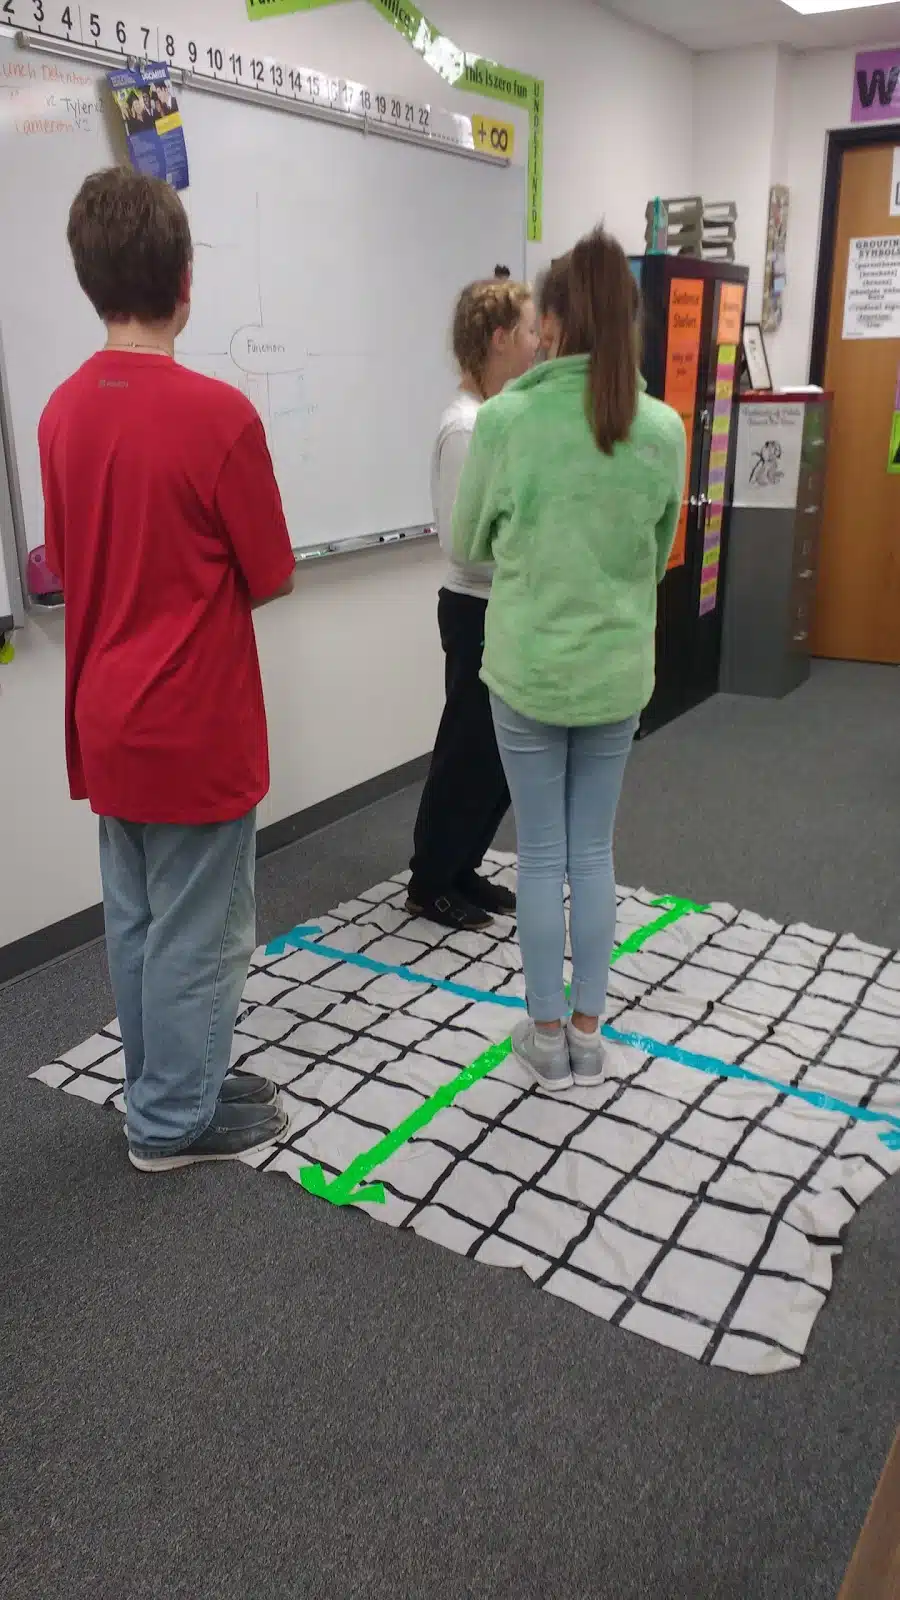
point(481, 310)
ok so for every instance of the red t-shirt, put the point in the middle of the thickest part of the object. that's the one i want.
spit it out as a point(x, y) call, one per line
point(163, 522)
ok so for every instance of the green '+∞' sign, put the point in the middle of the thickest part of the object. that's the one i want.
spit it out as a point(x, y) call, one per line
point(472, 74)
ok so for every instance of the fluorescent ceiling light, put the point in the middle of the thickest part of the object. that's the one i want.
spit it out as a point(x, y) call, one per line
point(814, 8)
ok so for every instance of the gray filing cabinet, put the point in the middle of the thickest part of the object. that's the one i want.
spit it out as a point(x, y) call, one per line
point(773, 551)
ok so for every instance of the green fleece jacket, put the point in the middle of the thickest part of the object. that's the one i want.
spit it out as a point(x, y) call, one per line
point(580, 542)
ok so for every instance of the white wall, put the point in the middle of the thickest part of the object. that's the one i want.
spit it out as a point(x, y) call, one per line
point(733, 154)
point(821, 96)
point(351, 662)
point(789, 104)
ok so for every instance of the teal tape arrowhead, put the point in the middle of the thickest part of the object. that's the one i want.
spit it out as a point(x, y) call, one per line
point(286, 941)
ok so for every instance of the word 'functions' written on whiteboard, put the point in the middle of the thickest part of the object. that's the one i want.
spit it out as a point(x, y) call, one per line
point(106, 29)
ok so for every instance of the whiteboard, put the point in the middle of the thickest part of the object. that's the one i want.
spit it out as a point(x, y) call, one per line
point(326, 267)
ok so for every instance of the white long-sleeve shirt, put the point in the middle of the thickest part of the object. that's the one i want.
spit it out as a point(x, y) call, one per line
point(450, 451)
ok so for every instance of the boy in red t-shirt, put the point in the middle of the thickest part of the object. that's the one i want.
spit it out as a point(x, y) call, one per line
point(165, 525)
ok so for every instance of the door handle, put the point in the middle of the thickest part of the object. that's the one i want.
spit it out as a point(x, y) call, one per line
point(697, 500)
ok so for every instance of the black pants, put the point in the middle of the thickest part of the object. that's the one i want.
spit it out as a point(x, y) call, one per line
point(465, 797)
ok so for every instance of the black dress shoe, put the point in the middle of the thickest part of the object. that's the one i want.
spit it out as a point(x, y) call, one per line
point(234, 1131)
point(247, 1089)
point(450, 910)
point(491, 897)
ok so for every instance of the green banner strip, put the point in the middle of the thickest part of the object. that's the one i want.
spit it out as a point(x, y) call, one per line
point(258, 10)
point(349, 1187)
point(472, 74)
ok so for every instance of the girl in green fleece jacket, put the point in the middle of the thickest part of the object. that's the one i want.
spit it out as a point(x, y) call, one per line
point(573, 487)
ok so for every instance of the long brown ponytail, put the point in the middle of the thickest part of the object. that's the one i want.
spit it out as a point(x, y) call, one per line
point(601, 321)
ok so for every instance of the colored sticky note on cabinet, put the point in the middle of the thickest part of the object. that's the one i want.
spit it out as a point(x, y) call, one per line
point(731, 313)
point(719, 458)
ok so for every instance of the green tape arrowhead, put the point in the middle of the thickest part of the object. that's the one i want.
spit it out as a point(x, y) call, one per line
point(339, 1191)
point(683, 907)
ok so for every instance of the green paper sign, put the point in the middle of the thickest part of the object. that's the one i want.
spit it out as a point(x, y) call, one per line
point(472, 74)
point(894, 457)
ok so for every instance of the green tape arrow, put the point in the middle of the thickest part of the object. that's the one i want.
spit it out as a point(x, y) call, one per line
point(350, 1187)
point(344, 1190)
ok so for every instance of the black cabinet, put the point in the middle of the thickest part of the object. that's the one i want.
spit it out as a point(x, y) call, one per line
point(693, 324)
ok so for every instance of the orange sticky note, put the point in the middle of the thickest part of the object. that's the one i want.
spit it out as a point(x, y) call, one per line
point(682, 370)
point(731, 313)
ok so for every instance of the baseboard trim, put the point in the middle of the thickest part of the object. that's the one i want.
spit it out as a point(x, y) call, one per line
point(278, 835)
point(61, 938)
point(48, 944)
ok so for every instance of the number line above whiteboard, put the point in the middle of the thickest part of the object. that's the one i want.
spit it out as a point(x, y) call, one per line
point(74, 33)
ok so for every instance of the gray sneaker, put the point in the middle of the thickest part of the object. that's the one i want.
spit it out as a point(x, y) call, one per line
point(588, 1057)
point(544, 1057)
point(233, 1132)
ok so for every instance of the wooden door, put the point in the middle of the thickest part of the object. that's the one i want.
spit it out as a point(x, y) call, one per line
point(857, 614)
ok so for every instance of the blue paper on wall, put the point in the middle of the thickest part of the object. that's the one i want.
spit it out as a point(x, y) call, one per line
point(152, 119)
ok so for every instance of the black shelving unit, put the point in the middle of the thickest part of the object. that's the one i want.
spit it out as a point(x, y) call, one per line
point(689, 645)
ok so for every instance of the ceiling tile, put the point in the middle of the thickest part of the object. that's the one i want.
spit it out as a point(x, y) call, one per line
point(724, 24)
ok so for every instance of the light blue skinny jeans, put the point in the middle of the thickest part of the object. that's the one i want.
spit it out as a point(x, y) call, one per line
point(565, 785)
point(180, 911)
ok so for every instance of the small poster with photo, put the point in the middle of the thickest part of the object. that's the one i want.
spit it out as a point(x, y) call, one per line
point(769, 454)
point(776, 259)
point(152, 119)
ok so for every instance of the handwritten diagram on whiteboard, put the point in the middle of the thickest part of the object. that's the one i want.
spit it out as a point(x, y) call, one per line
point(326, 269)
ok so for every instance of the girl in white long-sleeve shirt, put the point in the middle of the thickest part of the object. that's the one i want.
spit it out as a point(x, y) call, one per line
point(495, 339)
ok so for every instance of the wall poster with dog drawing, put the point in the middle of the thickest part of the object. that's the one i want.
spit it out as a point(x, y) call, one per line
point(769, 451)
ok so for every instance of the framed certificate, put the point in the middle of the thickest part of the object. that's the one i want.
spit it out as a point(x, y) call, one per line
point(755, 357)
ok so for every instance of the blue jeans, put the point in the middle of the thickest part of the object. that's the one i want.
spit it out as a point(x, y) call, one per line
point(180, 910)
point(565, 785)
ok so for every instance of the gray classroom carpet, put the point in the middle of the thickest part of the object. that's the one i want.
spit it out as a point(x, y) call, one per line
point(217, 1388)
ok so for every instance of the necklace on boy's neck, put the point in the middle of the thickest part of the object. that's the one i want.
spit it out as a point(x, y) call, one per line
point(133, 344)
